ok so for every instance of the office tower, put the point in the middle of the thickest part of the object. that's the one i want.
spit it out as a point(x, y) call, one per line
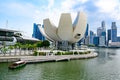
point(103, 24)
point(108, 35)
point(99, 31)
point(36, 32)
point(96, 41)
point(114, 32)
point(91, 37)
point(86, 32)
point(87, 39)
point(118, 39)
point(102, 41)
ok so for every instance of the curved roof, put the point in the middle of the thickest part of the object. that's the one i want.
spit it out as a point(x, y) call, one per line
point(44, 34)
point(65, 29)
point(79, 27)
point(50, 30)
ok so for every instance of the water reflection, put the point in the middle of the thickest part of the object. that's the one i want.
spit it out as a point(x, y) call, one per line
point(105, 55)
point(104, 67)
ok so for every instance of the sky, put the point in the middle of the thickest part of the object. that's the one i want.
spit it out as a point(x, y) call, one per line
point(21, 14)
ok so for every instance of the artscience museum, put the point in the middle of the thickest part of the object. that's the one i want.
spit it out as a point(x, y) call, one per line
point(66, 34)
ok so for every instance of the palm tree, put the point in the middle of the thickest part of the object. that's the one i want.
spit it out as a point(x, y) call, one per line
point(10, 47)
point(23, 47)
point(30, 48)
point(4, 48)
point(16, 46)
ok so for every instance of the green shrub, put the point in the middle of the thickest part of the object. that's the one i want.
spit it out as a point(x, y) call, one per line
point(35, 53)
point(88, 51)
point(63, 53)
point(75, 52)
point(80, 52)
point(85, 52)
point(42, 53)
point(59, 53)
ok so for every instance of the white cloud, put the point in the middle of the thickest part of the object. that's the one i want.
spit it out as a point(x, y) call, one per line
point(53, 13)
point(110, 7)
point(107, 9)
point(17, 9)
point(51, 3)
point(69, 4)
point(106, 5)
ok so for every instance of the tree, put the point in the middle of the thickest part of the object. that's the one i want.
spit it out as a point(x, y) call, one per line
point(10, 47)
point(4, 49)
point(39, 44)
point(45, 43)
point(17, 45)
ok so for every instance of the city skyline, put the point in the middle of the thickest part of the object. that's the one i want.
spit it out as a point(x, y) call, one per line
point(21, 14)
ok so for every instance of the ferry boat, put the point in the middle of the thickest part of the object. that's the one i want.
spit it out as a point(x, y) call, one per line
point(17, 64)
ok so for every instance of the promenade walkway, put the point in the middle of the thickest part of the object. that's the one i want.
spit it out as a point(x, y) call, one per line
point(36, 59)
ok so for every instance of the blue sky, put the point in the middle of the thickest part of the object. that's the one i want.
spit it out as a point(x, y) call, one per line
point(21, 14)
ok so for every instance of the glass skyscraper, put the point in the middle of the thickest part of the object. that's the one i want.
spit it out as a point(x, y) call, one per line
point(92, 35)
point(102, 41)
point(114, 32)
point(36, 32)
point(86, 32)
point(101, 33)
point(96, 41)
point(109, 34)
point(103, 25)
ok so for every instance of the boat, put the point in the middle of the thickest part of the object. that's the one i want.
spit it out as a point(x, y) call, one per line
point(17, 64)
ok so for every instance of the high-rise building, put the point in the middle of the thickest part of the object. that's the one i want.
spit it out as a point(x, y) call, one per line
point(36, 32)
point(114, 32)
point(87, 29)
point(103, 30)
point(91, 37)
point(99, 31)
point(103, 25)
point(118, 39)
point(86, 41)
point(108, 35)
point(96, 41)
point(102, 41)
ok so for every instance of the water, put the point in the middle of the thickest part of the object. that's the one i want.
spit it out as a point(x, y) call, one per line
point(105, 67)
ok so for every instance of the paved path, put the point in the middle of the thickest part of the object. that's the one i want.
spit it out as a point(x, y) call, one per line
point(34, 59)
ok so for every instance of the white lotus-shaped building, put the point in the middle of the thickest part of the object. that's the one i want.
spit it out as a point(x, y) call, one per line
point(66, 31)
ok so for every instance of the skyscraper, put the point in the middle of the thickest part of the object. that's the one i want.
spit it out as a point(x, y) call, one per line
point(86, 32)
point(102, 41)
point(36, 32)
point(96, 41)
point(114, 32)
point(91, 37)
point(103, 24)
point(85, 39)
point(99, 31)
point(109, 35)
